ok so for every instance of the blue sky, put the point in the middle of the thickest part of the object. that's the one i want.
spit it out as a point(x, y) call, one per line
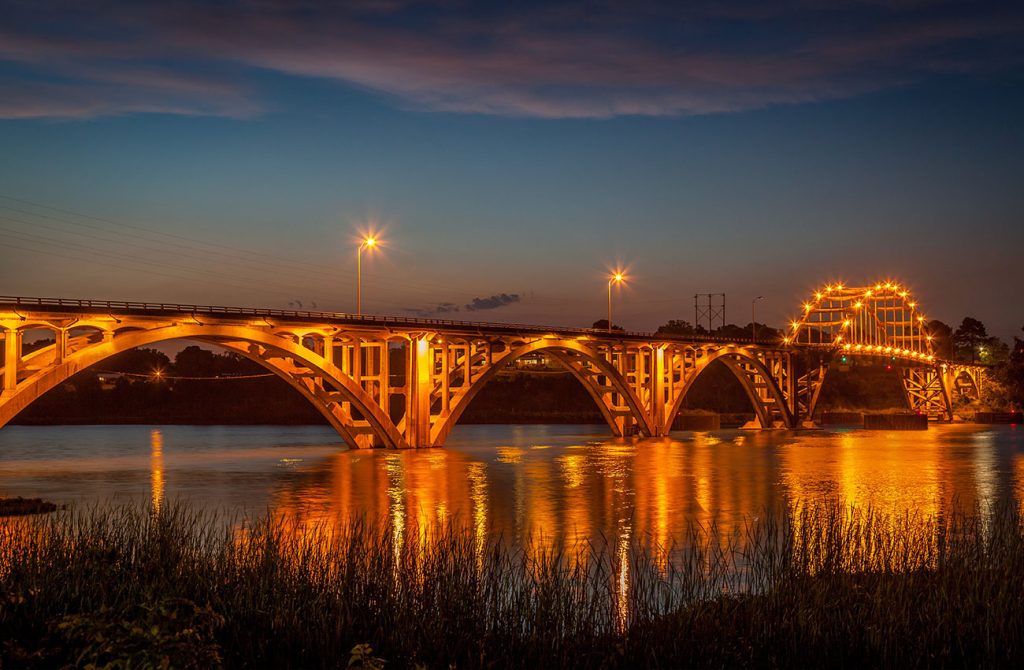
point(227, 152)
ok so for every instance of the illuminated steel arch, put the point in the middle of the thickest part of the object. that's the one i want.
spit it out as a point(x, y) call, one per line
point(883, 319)
point(883, 322)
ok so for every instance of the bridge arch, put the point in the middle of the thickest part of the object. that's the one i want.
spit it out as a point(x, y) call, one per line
point(745, 368)
point(966, 382)
point(276, 350)
point(570, 354)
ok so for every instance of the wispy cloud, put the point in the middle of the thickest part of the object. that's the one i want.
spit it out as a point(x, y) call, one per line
point(555, 60)
point(475, 305)
point(492, 302)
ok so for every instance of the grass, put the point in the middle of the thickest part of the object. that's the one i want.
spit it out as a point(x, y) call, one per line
point(827, 586)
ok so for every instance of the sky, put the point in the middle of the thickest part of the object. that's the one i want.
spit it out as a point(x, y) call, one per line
point(509, 155)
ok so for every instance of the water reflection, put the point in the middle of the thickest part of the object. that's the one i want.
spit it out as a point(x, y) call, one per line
point(554, 487)
point(156, 469)
point(576, 489)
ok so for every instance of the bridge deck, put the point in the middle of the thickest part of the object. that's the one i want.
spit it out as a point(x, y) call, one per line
point(65, 306)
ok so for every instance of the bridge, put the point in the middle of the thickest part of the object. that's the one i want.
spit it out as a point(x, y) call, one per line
point(347, 366)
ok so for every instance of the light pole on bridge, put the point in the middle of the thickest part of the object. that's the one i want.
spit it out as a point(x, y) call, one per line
point(616, 278)
point(753, 319)
point(368, 243)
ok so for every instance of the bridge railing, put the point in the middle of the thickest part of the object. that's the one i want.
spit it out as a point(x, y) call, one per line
point(129, 307)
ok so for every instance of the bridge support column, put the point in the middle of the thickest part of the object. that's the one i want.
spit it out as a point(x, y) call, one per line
point(418, 398)
point(328, 352)
point(659, 410)
point(12, 356)
point(60, 349)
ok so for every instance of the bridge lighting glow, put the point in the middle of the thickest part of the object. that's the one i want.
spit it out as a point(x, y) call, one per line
point(794, 324)
point(846, 324)
point(928, 337)
point(867, 293)
point(912, 304)
point(839, 287)
point(817, 296)
point(807, 307)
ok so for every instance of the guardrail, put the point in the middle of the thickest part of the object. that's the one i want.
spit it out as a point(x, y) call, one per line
point(128, 307)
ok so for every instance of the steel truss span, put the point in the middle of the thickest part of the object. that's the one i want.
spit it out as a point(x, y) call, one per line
point(884, 322)
point(403, 382)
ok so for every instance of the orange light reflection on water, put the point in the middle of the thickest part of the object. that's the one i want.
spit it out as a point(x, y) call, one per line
point(156, 469)
point(607, 492)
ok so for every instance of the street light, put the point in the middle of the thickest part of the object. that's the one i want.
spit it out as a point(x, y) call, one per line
point(753, 321)
point(368, 243)
point(616, 278)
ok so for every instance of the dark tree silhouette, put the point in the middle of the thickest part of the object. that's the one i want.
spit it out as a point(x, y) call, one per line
point(679, 327)
point(968, 337)
point(942, 339)
point(602, 324)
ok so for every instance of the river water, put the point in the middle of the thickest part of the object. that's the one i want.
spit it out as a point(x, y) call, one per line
point(524, 482)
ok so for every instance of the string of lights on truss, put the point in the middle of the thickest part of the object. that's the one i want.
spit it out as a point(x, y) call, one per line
point(858, 329)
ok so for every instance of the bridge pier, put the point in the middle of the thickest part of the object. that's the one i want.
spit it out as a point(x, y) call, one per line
point(419, 389)
point(12, 359)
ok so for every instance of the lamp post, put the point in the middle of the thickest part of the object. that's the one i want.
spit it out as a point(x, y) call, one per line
point(753, 320)
point(616, 278)
point(368, 243)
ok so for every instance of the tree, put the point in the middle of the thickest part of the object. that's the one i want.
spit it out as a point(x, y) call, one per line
point(602, 324)
point(733, 332)
point(1014, 374)
point(969, 337)
point(138, 361)
point(942, 339)
point(678, 327)
point(194, 361)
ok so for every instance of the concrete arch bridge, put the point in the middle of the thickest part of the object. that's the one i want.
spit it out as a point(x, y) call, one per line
point(345, 365)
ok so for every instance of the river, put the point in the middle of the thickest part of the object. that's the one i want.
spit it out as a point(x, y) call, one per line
point(522, 481)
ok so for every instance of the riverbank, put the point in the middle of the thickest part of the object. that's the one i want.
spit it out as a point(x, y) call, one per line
point(828, 587)
point(21, 506)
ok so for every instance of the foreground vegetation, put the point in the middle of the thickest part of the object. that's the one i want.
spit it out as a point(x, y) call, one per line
point(829, 586)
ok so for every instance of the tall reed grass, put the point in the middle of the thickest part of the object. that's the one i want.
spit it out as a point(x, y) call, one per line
point(827, 586)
